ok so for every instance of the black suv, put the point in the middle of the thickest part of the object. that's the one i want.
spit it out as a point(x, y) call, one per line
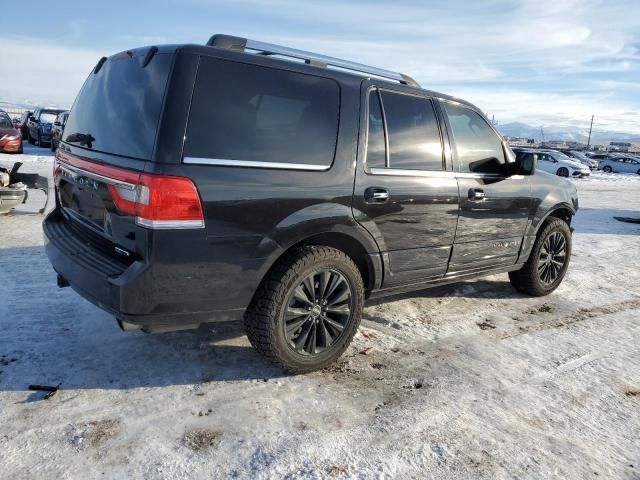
point(245, 185)
point(58, 128)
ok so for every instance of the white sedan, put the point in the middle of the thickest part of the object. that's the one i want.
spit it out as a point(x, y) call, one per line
point(559, 164)
point(620, 165)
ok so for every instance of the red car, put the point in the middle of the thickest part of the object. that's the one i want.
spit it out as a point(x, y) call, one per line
point(10, 137)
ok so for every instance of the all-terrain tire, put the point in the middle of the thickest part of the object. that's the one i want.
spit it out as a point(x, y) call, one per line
point(265, 316)
point(563, 172)
point(527, 279)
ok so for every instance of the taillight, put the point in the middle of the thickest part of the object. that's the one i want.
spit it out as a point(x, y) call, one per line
point(157, 201)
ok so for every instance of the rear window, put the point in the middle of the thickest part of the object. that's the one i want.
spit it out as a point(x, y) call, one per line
point(259, 114)
point(118, 109)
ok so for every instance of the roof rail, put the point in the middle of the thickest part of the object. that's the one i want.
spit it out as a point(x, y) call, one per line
point(242, 44)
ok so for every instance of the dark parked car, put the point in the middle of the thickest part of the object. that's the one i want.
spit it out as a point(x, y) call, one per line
point(58, 128)
point(286, 193)
point(21, 123)
point(40, 124)
point(10, 137)
point(600, 156)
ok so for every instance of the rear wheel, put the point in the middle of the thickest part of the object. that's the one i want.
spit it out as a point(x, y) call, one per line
point(607, 169)
point(548, 261)
point(307, 310)
point(563, 172)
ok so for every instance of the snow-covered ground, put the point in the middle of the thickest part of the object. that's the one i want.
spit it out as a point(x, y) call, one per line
point(468, 381)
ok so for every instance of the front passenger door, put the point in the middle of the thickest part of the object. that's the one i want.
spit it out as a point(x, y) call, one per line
point(494, 207)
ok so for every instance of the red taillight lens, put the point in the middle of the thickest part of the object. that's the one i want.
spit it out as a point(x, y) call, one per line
point(157, 201)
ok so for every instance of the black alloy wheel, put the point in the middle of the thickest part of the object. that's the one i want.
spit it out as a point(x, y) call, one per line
point(553, 256)
point(317, 312)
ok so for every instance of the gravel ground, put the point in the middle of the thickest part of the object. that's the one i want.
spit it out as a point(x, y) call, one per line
point(468, 381)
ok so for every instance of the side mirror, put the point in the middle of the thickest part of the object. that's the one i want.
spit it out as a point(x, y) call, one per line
point(522, 163)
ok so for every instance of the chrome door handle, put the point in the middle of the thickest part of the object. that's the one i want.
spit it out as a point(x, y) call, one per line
point(376, 195)
point(476, 194)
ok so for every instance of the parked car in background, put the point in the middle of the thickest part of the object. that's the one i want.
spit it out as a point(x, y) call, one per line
point(592, 163)
point(621, 164)
point(58, 128)
point(40, 125)
point(284, 196)
point(558, 163)
point(10, 136)
point(599, 156)
point(21, 123)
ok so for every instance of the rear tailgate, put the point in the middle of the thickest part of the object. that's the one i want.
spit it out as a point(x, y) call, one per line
point(108, 139)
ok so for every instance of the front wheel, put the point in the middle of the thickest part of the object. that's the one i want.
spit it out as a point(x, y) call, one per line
point(607, 169)
point(548, 261)
point(563, 172)
point(306, 312)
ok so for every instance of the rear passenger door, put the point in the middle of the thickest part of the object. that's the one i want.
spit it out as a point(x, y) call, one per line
point(406, 193)
point(494, 207)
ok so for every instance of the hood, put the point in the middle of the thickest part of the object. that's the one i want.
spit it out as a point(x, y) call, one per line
point(574, 163)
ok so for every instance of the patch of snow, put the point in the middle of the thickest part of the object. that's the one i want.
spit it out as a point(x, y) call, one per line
point(467, 381)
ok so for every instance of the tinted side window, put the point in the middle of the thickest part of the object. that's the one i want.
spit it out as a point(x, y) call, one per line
point(5, 121)
point(253, 113)
point(376, 147)
point(478, 148)
point(414, 137)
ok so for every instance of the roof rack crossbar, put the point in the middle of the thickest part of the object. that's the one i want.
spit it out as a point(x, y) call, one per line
point(243, 44)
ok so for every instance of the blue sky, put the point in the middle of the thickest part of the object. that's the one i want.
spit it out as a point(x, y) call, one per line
point(544, 62)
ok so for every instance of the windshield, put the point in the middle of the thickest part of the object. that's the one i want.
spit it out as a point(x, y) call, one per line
point(580, 155)
point(562, 156)
point(118, 108)
point(5, 121)
point(47, 116)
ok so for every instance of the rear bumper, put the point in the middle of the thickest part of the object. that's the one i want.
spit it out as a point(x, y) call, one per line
point(129, 292)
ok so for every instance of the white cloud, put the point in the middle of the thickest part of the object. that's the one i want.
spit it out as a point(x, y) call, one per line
point(46, 73)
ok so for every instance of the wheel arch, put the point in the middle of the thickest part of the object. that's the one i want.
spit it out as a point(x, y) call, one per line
point(563, 211)
point(352, 244)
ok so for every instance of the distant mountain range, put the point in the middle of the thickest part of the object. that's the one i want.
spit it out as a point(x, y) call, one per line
point(512, 129)
point(576, 134)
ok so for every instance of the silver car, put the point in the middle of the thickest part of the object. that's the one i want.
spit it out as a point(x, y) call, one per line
point(620, 165)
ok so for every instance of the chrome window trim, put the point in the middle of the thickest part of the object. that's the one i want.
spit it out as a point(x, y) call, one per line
point(439, 174)
point(411, 173)
point(75, 171)
point(223, 162)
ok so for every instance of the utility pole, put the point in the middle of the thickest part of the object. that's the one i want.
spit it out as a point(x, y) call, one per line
point(590, 128)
